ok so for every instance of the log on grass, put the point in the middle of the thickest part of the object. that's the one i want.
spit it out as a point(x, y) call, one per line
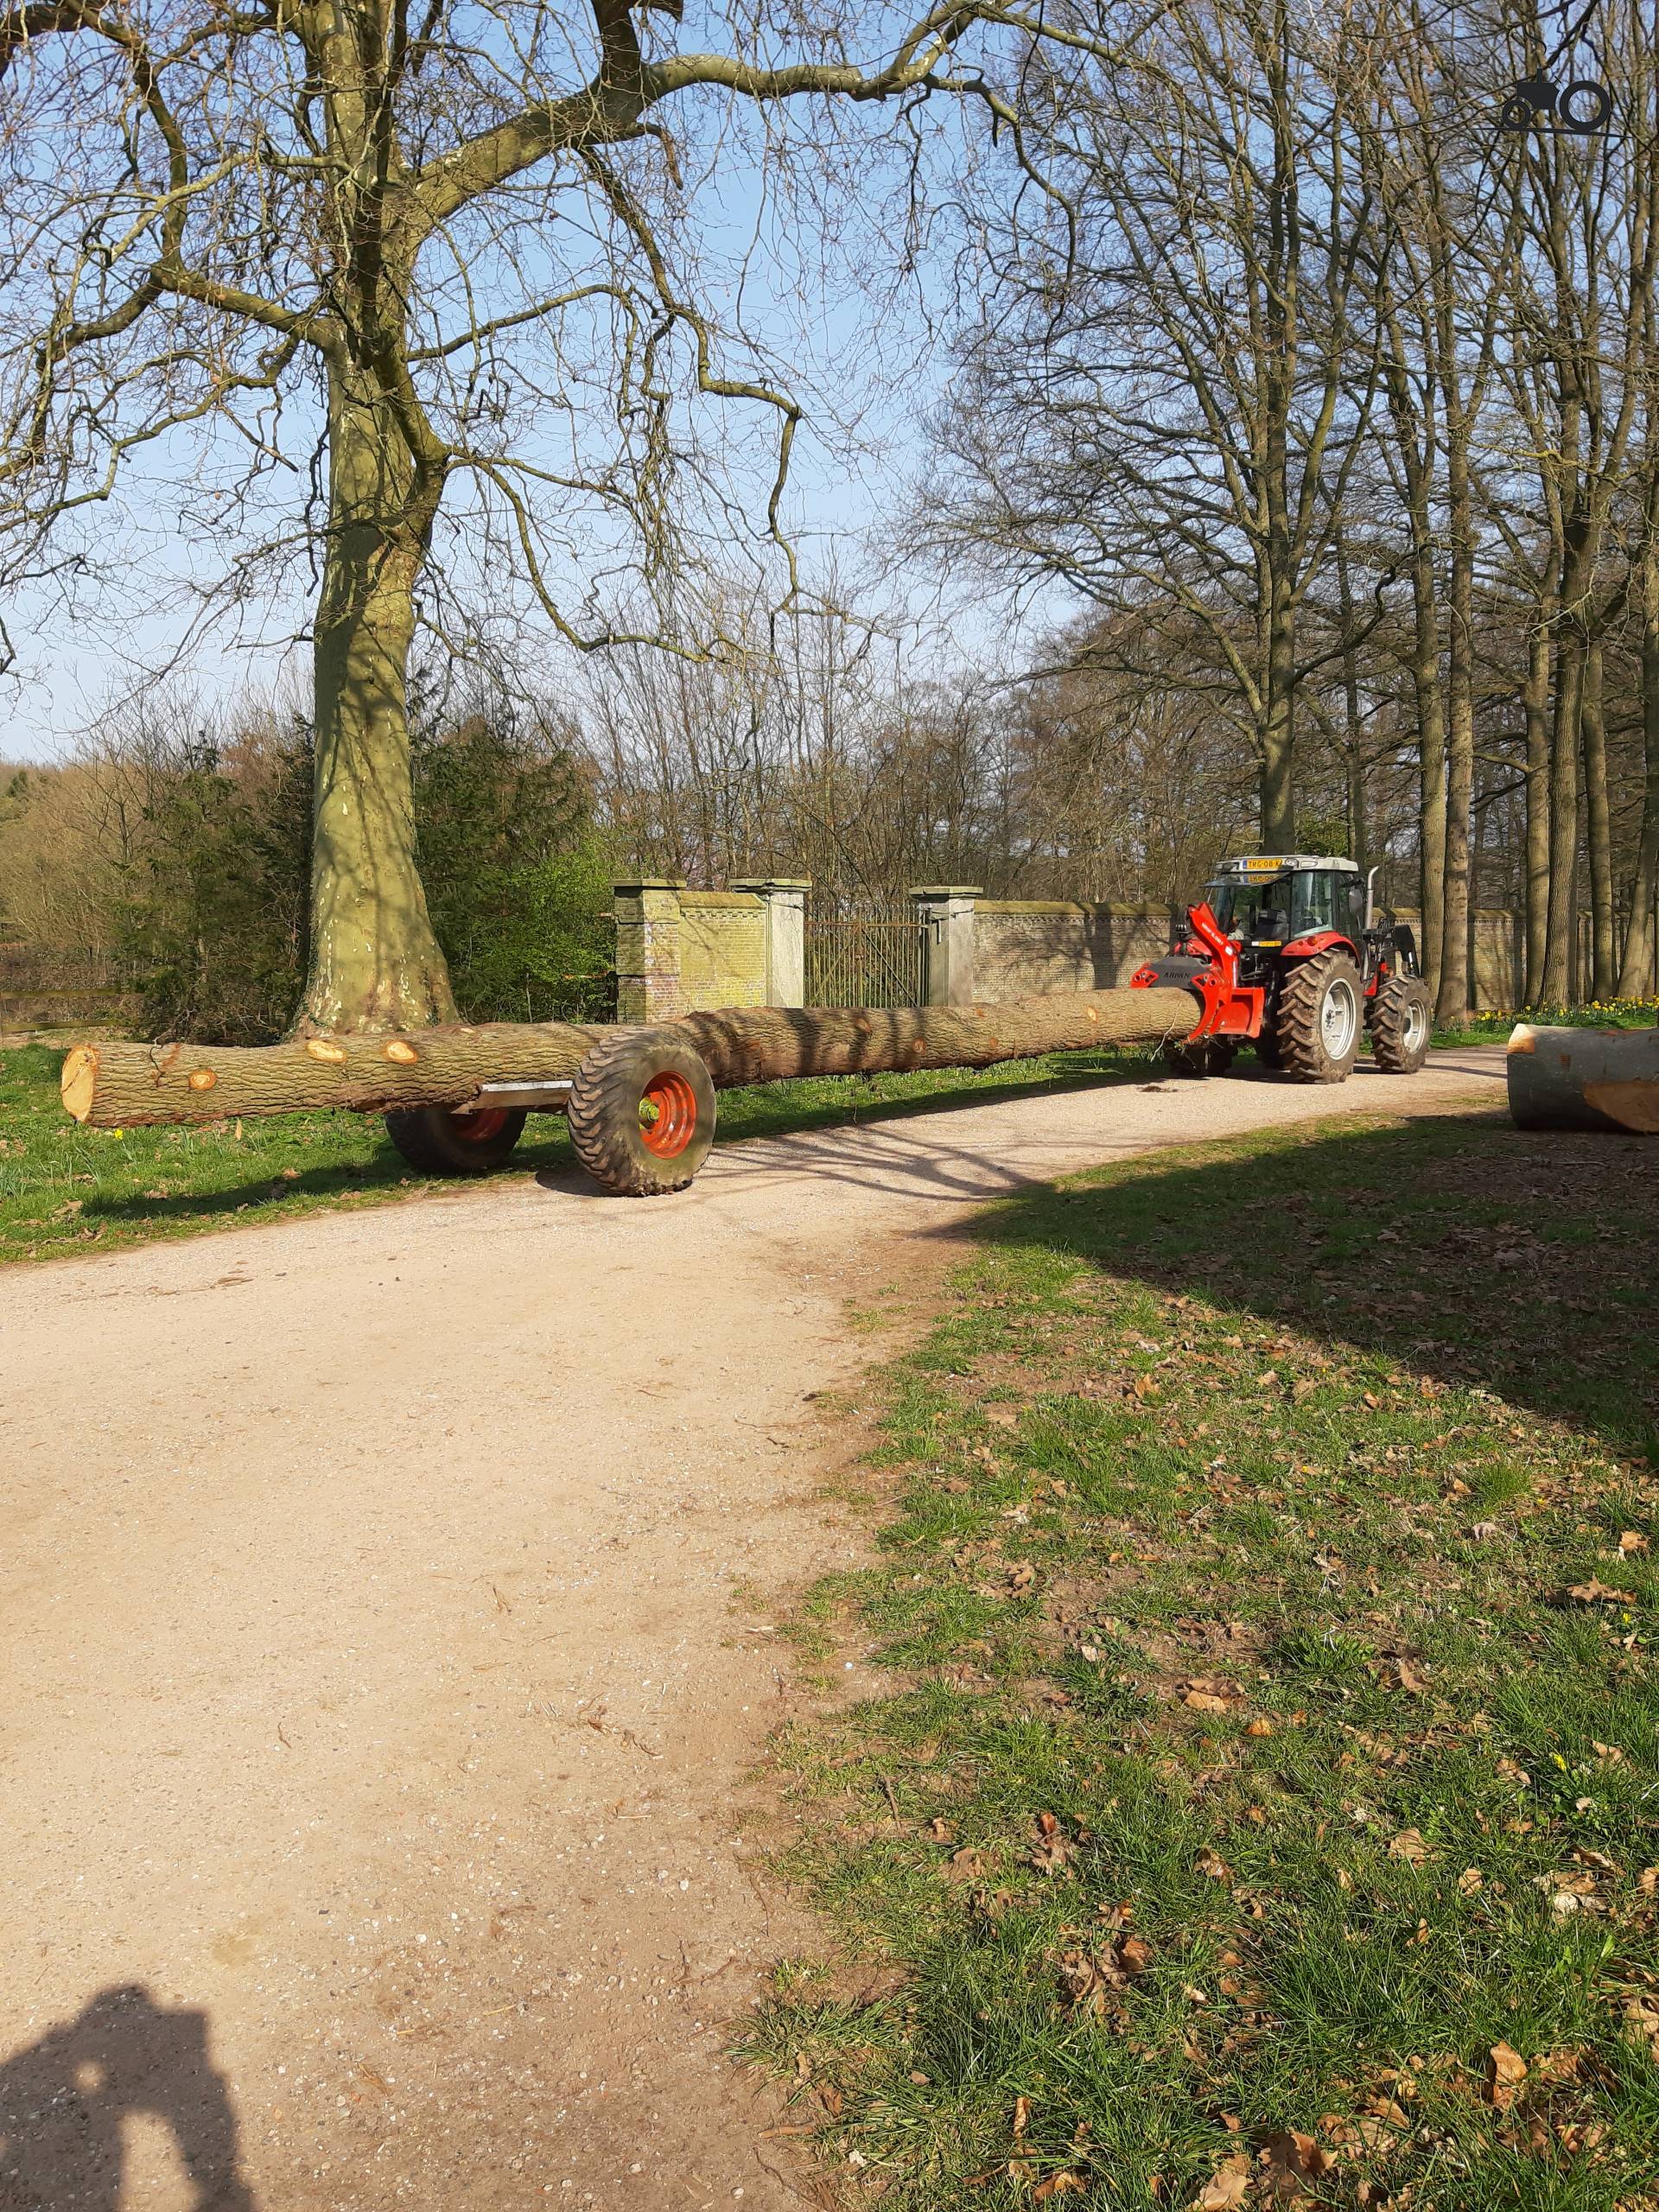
point(114, 1086)
point(1585, 1079)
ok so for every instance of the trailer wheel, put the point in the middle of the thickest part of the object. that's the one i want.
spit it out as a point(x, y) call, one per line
point(439, 1142)
point(1318, 1018)
point(1401, 1025)
point(642, 1114)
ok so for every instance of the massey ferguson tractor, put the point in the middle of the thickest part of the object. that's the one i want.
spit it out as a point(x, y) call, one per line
point(1288, 955)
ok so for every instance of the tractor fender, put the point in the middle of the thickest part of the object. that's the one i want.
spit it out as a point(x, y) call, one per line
point(1303, 948)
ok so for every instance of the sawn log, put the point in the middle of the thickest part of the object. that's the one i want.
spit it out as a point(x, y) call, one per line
point(1585, 1079)
point(114, 1085)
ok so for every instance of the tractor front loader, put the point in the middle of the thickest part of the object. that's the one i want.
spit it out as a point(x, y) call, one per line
point(1288, 956)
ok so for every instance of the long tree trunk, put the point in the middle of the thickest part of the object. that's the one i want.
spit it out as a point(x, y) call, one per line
point(1598, 824)
point(376, 964)
point(1535, 700)
point(113, 1086)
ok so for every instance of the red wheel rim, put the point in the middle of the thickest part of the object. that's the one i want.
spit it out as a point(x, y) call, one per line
point(480, 1127)
point(668, 1130)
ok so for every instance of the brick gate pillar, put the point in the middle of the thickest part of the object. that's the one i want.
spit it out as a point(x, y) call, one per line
point(647, 913)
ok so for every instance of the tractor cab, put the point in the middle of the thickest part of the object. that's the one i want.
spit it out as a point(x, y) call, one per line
point(1271, 903)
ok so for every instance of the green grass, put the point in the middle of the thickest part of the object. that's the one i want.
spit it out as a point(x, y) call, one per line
point(1250, 1773)
point(1493, 1027)
point(65, 1189)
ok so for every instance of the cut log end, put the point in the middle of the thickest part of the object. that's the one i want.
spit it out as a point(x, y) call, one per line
point(1585, 1079)
point(78, 1080)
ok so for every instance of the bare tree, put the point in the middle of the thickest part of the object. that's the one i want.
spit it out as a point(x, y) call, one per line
point(410, 259)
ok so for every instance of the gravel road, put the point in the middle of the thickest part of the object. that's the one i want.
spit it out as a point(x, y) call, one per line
point(385, 1628)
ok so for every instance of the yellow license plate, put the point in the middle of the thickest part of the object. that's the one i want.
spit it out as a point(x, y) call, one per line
point(1265, 866)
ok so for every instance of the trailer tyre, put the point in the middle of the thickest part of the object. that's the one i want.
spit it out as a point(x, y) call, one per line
point(1319, 1017)
point(642, 1114)
point(439, 1142)
point(1401, 1025)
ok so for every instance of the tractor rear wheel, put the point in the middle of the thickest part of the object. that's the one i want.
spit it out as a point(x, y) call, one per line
point(1400, 1025)
point(439, 1142)
point(642, 1114)
point(1318, 1018)
point(1210, 1055)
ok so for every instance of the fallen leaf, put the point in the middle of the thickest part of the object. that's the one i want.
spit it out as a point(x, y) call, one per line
point(1021, 1577)
point(1227, 2188)
point(1408, 1678)
point(1004, 1416)
point(967, 1863)
point(1212, 1864)
point(1067, 2184)
point(1505, 2068)
point(1598, 1593)
point(1292, 2162)
point(1021, 2115)
point(1259, 1727)
point(1631, 1541)
point(1409, 1846)
point(1203, 1701)
point(1471, 1882)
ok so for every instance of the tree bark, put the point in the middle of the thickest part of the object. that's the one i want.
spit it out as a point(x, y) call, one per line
point(1536, 702)
point(375, 965)
point(1451, 992)
point(1585, 1079)
point(117, 1086)
point(1598, 824)
point(1559, 945)
point(1638, 972)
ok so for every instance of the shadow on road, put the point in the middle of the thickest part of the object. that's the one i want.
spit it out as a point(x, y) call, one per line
point(1465, 1249)
point(63, 2102)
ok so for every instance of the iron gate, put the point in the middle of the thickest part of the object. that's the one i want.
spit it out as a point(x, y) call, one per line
point(865, 959)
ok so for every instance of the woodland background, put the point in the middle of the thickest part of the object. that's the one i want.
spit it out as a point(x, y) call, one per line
point(1324, 411)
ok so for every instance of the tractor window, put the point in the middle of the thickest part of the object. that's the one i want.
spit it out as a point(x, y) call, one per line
point(1240, 904)
point(1313, 905)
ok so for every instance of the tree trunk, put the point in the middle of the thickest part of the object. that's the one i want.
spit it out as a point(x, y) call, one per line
point(376, 966)
point(1560, 955)
point(116, 1086)
point(1431, 728)
point(1277, 786)
point(1637, 974)
point(1598, 825)
point(1452, 995)
point(1536, 701)
point(1585, 1079)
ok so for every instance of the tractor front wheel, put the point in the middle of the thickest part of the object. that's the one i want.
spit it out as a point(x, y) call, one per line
point(642, 1114)
point(439, 1142)
point(1401, 1025)
point(1318, 1018)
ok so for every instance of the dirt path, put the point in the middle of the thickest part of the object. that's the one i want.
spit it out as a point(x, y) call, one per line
point(384, 1605)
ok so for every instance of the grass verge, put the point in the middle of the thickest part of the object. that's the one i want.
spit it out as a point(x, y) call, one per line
point(1493, 1026)
point(1266, 1808)
point(64, 1189)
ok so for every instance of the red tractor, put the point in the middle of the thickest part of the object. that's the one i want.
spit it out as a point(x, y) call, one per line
point(1288, 955)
